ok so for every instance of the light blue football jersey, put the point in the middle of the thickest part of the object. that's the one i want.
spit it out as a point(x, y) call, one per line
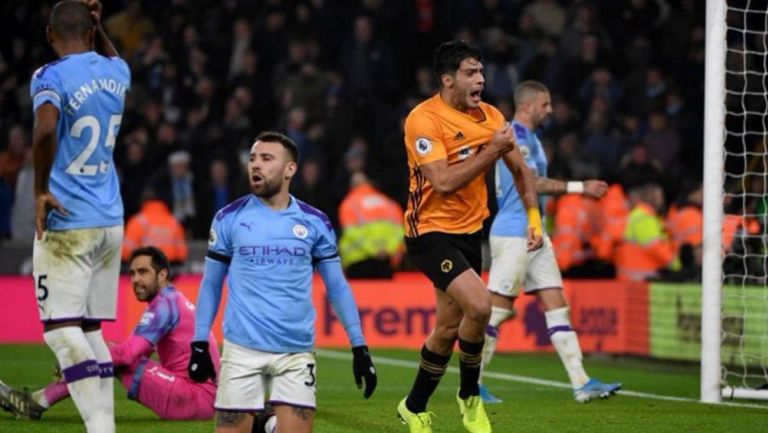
point(89, 91)
point(512, 217)
point(271, 257)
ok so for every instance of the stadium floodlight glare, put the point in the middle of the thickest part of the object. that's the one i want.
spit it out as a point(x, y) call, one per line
point(734, 319)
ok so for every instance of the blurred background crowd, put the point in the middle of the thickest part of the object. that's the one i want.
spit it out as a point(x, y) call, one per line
point(627, 81)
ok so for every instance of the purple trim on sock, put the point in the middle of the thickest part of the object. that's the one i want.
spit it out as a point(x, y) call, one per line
point(492, 331)
point(561, 328)
point(106, 370)
point(83, 370)
point(288, 403)
point(133, 391)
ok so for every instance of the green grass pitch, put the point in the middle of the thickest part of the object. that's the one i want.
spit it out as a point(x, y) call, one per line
point(527, 407)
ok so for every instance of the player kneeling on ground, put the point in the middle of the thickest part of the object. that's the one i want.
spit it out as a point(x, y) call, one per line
point(166, 326)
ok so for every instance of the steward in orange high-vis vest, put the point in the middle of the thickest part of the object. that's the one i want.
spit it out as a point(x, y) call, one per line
point(574, 226)
point(154, 225)
point(733, 224)
point(371, 242)
point(611, 220)
point(645, 249)
point(685, 222)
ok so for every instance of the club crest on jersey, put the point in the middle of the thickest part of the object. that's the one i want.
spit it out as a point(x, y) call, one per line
point(464, 152)
point(300, 231)
point(423, 145)
point(525, 151)
point(212, 238)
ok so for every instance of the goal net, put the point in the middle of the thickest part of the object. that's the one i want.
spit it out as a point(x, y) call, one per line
point(735, 288)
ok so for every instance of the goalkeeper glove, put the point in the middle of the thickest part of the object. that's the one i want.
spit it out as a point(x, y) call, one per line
point(200, 366)
point(362, 367)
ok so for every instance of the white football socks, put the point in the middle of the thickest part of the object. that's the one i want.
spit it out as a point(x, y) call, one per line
point(566, 344)
point(498, 316)
point(100, 349)
point(81, 372)
point(271, 425)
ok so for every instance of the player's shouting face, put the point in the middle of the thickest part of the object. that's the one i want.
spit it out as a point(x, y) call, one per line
point(270, 168)
point(468, 83)
point(465, 85)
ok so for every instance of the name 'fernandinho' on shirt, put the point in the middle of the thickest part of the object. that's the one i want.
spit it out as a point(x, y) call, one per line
point(87, 89)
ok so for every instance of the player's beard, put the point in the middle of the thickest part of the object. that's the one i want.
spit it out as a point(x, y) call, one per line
point(267, 189)
point(146, 292)
point(539, 119)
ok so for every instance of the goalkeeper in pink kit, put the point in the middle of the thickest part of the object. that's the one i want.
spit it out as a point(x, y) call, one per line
point(167, 327)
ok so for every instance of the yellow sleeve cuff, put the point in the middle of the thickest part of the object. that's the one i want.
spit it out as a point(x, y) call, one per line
point(534, 220)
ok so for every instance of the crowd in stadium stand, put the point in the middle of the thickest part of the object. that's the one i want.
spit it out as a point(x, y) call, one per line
point(627, 80)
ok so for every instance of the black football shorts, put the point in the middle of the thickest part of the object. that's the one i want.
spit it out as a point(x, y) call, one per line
point(444, 256)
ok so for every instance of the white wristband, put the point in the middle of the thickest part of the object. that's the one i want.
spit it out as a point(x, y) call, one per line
point(574, 187)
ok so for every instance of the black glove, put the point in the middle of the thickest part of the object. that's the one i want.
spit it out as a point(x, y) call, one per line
point(200, 366)
point(362, 367)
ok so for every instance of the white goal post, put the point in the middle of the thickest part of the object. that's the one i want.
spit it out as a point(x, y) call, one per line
point(714, 142)
point(734, 319)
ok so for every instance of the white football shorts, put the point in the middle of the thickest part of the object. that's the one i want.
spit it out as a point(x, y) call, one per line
point(248, 377)
point(76, 273)
point(512, 267)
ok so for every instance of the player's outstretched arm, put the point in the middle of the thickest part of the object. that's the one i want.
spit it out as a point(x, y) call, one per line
point(588, 188)
point(43, 152)
point(200, 367)
point(343, 301)
point(526, 187)
point(104, 45)
point(447, 179)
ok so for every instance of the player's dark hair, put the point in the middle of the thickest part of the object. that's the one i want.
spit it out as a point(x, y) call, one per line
point(448, 57)
point(277, 137)
point(159, 259)
point(70, 19)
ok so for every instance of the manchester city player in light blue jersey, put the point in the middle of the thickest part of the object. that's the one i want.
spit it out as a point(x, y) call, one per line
point(269, 243)
point(537, 272)
point(78, 103)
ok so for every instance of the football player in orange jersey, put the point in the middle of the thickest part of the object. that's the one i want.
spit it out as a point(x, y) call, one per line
point(451, 139)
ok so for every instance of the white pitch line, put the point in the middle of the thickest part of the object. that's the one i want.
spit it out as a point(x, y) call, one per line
point(535, 381)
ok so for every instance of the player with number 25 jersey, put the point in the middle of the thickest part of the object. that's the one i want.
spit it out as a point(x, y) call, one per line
point(78, 103)
point(89, 91)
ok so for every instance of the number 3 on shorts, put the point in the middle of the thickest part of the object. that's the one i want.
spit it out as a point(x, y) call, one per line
point(311, 381)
